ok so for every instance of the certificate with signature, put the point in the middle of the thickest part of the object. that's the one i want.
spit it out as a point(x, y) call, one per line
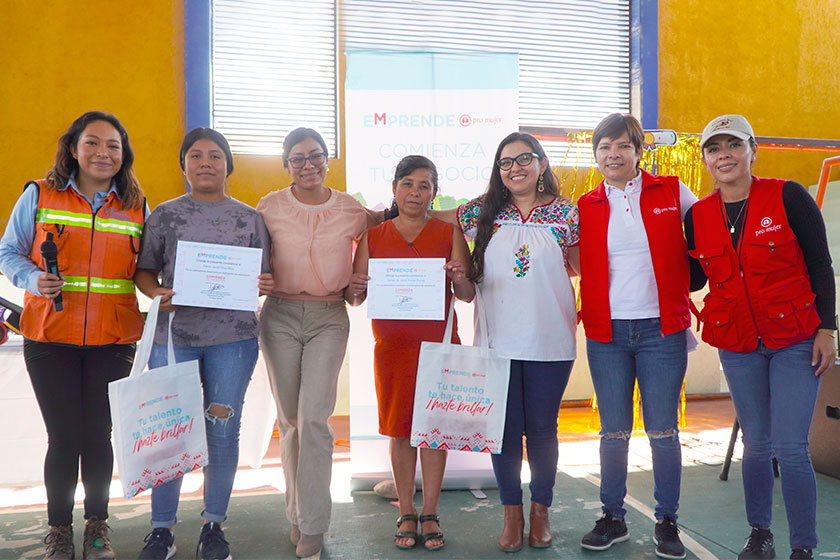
point(406, 289)
point(217, 276)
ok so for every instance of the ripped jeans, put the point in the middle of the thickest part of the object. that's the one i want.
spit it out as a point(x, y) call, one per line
point(638, 351)
point(226, 370)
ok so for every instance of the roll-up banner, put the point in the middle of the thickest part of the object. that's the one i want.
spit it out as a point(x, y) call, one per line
point(453, 109)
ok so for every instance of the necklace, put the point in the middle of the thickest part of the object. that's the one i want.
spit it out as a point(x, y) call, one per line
point(738, 217)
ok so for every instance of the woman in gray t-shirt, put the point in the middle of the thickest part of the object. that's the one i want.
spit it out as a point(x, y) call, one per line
point(223, 341)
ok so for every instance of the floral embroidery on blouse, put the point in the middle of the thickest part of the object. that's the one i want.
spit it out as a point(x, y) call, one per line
point(523, 261)
point(469, 212)
point(561, 217)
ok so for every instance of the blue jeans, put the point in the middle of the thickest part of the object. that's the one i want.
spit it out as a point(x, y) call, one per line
point(639, 352)
point(534, 395)
point(774, 393)
point(226, 370)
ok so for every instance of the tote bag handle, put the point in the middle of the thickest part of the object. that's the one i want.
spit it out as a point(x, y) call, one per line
point(482, 318)
point(144, 347)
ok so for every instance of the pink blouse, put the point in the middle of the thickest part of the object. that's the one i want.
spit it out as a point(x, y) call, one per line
point(312, 246)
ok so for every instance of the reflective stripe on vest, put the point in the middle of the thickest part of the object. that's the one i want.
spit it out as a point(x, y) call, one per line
point(98, 285)
point(75, 283)
point(60, 217)
point(118, 226)
point(111, 286)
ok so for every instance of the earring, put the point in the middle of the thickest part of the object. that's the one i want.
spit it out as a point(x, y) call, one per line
point(541, 184)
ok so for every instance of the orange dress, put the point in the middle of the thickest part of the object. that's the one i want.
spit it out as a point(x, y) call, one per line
point(397, 346)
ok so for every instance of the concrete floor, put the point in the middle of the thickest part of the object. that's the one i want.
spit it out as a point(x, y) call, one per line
point(712, 517)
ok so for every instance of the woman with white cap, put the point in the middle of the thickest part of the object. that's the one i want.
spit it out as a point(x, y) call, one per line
point(770, 312)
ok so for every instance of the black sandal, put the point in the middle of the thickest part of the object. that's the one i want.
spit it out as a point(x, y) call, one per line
point(406, 534)
point(432, 536)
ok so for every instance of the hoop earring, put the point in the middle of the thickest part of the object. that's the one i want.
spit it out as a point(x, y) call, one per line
point(541, 184)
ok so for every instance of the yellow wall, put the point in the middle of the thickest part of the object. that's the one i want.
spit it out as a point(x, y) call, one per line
point(775, 62)
point(63, 58)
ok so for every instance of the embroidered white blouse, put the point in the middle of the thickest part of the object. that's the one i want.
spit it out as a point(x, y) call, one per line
point(527, 294)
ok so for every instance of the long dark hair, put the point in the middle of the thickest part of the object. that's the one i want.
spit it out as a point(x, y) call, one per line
point(497, 196)
point(128, 187)
point(407, 166)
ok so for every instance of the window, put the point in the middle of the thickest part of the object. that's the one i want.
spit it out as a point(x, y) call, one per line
point(274, 69)
point(574, 56)
point(274, 63)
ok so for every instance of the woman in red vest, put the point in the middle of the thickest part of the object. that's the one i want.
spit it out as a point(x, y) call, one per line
point(770, 312)
point(92, 207)
point(635, 310)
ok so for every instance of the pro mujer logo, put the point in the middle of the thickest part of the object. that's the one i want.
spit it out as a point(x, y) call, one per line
point(767, 226)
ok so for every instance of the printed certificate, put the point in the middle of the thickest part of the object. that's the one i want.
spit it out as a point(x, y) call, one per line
point(217, 276)
point(406, 289)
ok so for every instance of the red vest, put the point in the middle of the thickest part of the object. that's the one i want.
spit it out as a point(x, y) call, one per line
point(763, 290)
point(96, 258)
point(662, 218)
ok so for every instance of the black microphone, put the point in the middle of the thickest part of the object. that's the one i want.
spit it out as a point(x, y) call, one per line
point(49, 252)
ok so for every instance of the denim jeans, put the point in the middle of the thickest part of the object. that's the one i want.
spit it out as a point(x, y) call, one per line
point(225, 370)
point(534, 394)
point(639, 352)
point(774, 393)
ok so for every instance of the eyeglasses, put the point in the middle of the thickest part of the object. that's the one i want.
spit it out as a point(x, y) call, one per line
point(522, 159)
point(298, 162)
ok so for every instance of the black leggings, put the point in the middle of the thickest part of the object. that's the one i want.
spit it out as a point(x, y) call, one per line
point(71, 385)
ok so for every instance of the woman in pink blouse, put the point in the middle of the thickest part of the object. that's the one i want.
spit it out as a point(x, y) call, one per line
point(304, 324)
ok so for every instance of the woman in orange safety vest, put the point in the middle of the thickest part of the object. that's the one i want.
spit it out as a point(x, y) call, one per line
point(80, 319)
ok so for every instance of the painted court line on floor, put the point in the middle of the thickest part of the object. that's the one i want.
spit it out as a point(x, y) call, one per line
point(690, 544)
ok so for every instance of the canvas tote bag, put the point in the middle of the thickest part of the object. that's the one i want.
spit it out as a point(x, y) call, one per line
point(461, 393)
point(157, 417)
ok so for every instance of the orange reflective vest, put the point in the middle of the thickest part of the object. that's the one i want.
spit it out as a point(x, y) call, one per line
point(762, 289)
point(97, 255)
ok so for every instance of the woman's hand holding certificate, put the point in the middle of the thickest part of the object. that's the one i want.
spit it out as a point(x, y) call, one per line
point(406, 289)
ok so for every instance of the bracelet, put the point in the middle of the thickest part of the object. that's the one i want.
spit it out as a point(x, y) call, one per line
point(827, 331)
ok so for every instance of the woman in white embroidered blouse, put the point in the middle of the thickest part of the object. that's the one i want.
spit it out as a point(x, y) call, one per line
point(525, 233)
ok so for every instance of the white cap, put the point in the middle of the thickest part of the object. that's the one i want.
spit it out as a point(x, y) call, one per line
point(734, 125)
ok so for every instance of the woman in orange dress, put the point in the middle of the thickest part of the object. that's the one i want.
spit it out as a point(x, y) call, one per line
point(412, 234)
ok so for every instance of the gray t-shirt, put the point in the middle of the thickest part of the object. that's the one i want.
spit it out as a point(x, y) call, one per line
point(227, 222)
